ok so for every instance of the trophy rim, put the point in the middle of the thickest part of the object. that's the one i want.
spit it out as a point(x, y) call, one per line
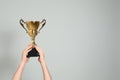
point(32, 21)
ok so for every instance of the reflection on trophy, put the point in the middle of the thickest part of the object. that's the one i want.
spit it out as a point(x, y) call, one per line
point(33, 29)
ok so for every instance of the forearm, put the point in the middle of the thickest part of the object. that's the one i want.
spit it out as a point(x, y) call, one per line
point(46, 72)
point(18, 73)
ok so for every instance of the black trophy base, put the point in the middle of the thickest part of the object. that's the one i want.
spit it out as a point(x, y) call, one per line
point(33, 53)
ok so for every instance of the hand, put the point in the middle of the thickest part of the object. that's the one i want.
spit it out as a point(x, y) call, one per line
point(25, 52)
point(41, 53)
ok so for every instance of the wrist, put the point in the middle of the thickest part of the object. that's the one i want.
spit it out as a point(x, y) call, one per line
point(23, 62)
point(42, 61)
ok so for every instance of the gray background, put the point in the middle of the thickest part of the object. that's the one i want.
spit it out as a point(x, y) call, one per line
point(81, 39)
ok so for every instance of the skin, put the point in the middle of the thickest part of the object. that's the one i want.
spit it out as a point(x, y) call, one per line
point(24, 60)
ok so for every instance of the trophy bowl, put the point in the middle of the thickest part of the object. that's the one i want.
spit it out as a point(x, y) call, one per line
point(32, 29)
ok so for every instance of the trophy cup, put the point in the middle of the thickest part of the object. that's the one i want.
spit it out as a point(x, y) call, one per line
point(32, 30)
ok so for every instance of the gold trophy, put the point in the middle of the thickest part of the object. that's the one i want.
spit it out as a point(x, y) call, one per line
point(32, 30)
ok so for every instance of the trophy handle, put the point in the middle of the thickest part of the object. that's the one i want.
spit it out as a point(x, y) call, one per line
point(22, 22)
point(43, 22)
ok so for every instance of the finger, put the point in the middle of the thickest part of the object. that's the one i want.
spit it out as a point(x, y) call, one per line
point(30, 44)
point(35, 46)
point(38, 48)
point(41, 52)
point(28, 47)
point(27, 50)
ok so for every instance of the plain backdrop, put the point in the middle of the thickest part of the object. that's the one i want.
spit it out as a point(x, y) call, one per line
point(81, 38)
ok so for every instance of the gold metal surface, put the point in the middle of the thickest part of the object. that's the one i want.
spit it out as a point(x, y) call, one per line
point(32, 28)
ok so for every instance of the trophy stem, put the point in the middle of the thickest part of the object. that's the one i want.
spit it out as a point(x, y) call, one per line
point(33, 42)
